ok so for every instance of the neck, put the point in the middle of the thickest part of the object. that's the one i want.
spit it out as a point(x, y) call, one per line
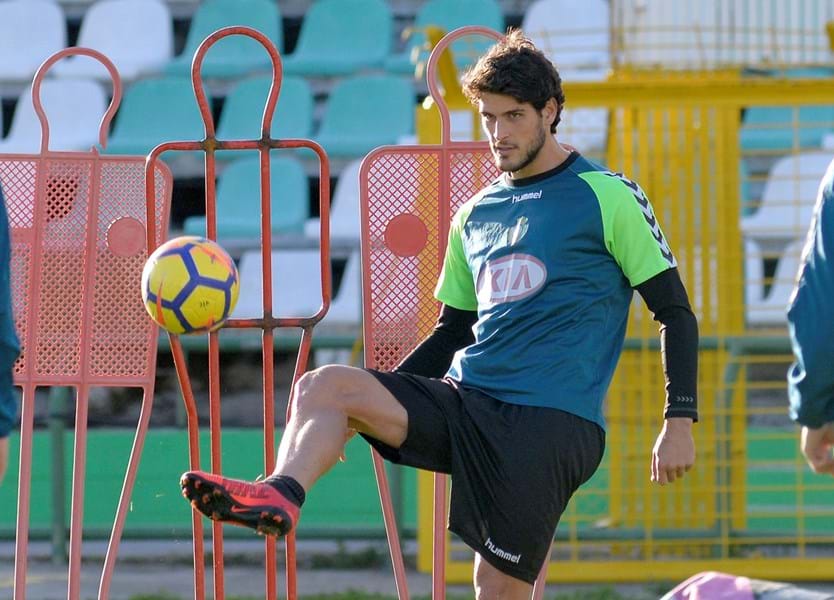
point(551, 155)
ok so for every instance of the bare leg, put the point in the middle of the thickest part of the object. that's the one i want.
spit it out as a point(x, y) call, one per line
point(492, 584)
point(326, 403)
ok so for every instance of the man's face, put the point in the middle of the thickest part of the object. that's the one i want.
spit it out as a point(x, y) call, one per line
point(516, 131)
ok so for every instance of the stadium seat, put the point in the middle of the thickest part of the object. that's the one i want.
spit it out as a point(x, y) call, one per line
point(766, 301)
point(236, 56)
point(30, 32)
point(154, 111)
point(339, 38)
point(137, 35)
point(346, 308)
point(344, 209)
point(344, 318)
point(572, 39)
point(448, 16)
point(73, 107)
point(244, 107)
point(296, 284)
point(239, 200)
point(782, 128)
point(364, 112)
point(787, 202)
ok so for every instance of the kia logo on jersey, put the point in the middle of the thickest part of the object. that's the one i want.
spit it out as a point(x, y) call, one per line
point(510, 278)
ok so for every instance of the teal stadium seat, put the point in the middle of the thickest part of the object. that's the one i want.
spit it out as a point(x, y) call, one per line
point(153, 111)
point(449, 16)
point(244, 107)
point(341, 37)
point(780, 129)
point(366, 111)
point(239, 200)
point(235, 56)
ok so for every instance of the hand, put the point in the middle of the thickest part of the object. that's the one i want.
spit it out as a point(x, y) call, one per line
point(817, 446)
point(349, 433)
point(4, 457)
point(674, 451)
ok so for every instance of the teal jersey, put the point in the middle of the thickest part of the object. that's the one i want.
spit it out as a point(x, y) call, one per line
point(549, 263)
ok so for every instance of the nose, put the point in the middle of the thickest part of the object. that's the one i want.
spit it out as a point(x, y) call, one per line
point(498, 131)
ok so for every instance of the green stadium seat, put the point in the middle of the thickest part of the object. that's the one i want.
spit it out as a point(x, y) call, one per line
point(340, 37)
point(244, 107)
point(239, 200)
point(449, 16)
point(235, 56)
point(364, 112)
point(153, 111)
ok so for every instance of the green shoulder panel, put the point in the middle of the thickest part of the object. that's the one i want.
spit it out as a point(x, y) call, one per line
point(632, 234)
point(456, 286)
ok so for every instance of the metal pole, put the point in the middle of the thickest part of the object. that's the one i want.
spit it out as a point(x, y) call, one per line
point(58, 402)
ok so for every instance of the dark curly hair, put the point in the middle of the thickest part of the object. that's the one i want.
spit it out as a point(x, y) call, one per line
point(515, 67)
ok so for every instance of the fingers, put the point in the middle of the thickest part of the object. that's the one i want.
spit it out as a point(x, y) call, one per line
point(663, 474)
point(821, 461)
point(349, 433)
point(655, 472)
point(818, 447)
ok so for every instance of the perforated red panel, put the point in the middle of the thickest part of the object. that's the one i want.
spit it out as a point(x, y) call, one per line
point(400, 309)
point(78, 247)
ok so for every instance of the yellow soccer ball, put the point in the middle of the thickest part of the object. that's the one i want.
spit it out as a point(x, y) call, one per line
point(190, 285)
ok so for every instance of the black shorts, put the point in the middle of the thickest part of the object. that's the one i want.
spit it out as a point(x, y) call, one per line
point(513, 467)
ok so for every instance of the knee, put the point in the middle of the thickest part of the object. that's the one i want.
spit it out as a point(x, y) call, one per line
point(323, 387)
point(492, 584)
point(491, 587)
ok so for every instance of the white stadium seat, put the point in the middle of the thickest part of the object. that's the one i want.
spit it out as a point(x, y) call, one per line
point(137, 35)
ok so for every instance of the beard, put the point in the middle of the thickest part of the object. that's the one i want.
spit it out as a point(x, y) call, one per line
point(530, 154)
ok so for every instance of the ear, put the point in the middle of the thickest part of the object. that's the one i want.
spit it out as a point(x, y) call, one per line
point(549, 111)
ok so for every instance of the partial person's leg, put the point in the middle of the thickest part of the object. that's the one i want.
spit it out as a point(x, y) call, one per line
point(492, 584)
point(326, 403)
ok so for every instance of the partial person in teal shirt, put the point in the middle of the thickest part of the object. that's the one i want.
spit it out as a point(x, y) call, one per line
point(9, 345)
point(811, 326)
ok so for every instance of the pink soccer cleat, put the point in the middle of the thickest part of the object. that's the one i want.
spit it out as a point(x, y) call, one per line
point(257, 506)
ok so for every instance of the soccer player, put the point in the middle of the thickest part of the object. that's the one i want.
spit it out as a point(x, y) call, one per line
point(9, 346)
point(811, 326)
point(506, 393)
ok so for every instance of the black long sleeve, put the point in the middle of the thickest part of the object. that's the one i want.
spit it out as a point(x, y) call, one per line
point(432, 357)
point(665, 296)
